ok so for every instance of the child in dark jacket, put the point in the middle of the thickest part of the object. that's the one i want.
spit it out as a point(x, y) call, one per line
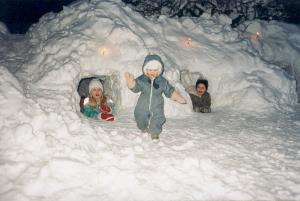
point(200, 97)
point(97, 105)
point(149, 111)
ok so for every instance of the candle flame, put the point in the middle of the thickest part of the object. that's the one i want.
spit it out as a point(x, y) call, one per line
point(103, 51)
point(255, 37)
point(188, 42)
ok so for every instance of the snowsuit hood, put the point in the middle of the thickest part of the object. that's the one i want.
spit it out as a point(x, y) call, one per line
point(153, 58)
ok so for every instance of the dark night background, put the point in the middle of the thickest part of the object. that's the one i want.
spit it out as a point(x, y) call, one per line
point(18, 15)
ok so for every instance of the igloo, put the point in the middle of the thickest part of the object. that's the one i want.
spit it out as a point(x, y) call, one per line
point(87, 40)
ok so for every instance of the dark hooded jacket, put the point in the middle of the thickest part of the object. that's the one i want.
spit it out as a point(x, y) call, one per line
point(200, 103)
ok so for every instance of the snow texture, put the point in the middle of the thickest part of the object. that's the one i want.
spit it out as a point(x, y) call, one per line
point(278, 44)
point(3, 28)
point(246, 149)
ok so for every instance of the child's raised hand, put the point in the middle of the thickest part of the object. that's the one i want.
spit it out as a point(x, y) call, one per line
point(129, 76)
point(130, 80)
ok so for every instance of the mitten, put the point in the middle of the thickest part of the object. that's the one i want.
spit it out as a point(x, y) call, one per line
point(106, 116)
point(105, 108)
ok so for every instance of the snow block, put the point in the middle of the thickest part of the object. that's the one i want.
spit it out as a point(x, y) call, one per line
point(224, 19)
point(254, 27)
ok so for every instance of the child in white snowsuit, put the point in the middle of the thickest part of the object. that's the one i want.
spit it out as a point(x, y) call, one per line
point(200, 97)
point(149, 111)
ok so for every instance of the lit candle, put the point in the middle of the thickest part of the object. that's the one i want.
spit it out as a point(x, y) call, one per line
point(188, 43)
point(103, 51)
point(255, 37)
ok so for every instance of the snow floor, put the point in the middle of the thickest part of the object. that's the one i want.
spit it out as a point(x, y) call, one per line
point(224, 155)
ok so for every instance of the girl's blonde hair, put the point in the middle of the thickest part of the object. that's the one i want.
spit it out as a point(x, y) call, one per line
point(93, 103)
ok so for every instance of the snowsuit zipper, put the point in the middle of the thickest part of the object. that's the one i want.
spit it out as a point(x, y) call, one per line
point(150, 102)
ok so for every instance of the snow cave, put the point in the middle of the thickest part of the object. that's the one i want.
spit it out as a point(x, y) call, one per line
point(247, 148)
point(87, 39)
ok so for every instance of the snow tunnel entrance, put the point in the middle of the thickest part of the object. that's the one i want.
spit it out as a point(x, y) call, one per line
point(111, 87)
point(188, 79)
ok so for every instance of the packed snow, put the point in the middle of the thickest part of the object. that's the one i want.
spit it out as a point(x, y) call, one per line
point(279, 44)
point(246, 149)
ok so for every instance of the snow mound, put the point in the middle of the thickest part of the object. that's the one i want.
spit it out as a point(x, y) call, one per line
point(276, 43)
point(104, 38)
point(3, 28)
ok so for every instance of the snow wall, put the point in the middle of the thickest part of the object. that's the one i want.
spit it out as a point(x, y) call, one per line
point(278, 43)
point(3, 28)
point(106, 38)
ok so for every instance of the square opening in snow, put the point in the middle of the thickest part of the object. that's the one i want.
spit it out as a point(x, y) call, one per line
point(111, 88)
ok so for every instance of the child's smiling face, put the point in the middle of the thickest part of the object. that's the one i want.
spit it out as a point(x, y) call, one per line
point(201, 89)
point(96, 93)
point(152, 73)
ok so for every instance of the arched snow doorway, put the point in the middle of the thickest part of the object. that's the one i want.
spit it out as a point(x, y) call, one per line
point(111, 85)
point(188, 79)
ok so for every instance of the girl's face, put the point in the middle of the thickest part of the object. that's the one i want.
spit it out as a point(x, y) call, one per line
point(201, 89)
point(152, 73)
point(96, 93)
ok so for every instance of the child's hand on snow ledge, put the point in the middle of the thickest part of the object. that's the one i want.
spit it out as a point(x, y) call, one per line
point(178, 98)
point(130, 80)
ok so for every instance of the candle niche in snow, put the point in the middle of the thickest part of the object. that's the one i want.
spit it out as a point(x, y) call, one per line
point(255, 36)
point(188, 42)
point(103, 51)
